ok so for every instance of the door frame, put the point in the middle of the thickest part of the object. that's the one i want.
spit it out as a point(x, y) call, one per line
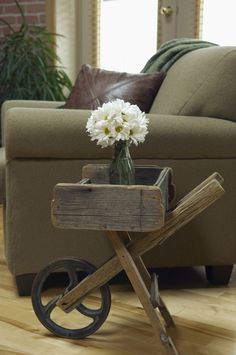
point(184, 21)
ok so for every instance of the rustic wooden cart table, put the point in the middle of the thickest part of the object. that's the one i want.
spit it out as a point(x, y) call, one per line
point(119, 209)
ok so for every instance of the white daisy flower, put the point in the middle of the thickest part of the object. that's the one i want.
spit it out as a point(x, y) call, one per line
point(117, 120)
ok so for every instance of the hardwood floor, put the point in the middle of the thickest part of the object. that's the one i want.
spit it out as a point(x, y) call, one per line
point(205, 318)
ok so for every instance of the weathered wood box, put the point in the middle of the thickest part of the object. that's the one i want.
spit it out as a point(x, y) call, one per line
point(93, 203)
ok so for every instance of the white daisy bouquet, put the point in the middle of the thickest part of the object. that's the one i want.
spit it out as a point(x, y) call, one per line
point(117, 121)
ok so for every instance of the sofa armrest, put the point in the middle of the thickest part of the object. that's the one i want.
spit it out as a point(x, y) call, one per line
point(29, 103)
point(25, 103)
point(49, 133)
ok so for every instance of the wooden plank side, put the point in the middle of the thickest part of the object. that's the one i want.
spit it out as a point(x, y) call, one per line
point(165, 184)
point(97, 173)
point(114, 207)
point(144, 174)
point(129, 224)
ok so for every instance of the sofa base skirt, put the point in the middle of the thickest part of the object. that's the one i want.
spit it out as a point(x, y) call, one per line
point(215, 275)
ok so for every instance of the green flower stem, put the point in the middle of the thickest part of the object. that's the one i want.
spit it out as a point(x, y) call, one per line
point(122, 170)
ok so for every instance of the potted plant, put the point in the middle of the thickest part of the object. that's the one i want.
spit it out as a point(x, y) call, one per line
point(27, 64)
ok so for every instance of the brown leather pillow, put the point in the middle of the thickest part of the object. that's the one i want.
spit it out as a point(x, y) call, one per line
point(95, 86)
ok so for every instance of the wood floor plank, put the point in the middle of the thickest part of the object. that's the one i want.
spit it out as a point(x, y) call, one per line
point(205, 317)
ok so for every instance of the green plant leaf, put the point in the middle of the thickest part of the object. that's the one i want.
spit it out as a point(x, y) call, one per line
point(21, 11)
point(7, 24)
point(27, 65)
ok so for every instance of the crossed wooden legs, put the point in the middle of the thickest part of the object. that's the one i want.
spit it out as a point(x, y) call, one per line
point(141, 282)
point(157, 303)
point(187, 209)
point(129, 258)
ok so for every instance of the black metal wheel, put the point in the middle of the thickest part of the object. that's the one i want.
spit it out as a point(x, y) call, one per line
point(44, 300)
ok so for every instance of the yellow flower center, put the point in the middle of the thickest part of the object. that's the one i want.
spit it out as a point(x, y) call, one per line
point(106, 131)
point(119, 129)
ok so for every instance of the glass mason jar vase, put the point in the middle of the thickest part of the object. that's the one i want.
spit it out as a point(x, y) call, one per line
point(122, 170)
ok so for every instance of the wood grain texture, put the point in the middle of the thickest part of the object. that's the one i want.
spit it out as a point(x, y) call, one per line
point(108, 207)
point(189, 208)
point(147, 280)
point(205, 319)
point(143, 293)
point(97, 205)
point(137, 282)
point(144, 175)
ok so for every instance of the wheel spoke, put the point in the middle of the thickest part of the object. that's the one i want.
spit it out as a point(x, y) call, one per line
point(72, 266)
point(91, 313)
point(50, 306)
point(72, 276)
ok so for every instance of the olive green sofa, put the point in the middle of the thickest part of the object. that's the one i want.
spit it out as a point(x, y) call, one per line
point(192, 129)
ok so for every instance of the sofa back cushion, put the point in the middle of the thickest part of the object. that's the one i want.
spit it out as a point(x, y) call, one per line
point(201, 83)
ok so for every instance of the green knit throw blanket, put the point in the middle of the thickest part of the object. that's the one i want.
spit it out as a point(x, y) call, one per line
point(171, 51)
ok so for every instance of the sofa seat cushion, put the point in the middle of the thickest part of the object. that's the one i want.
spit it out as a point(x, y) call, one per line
point(2, 175)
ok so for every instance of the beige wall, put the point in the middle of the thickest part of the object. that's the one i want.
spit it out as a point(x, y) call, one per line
point(75, 20)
